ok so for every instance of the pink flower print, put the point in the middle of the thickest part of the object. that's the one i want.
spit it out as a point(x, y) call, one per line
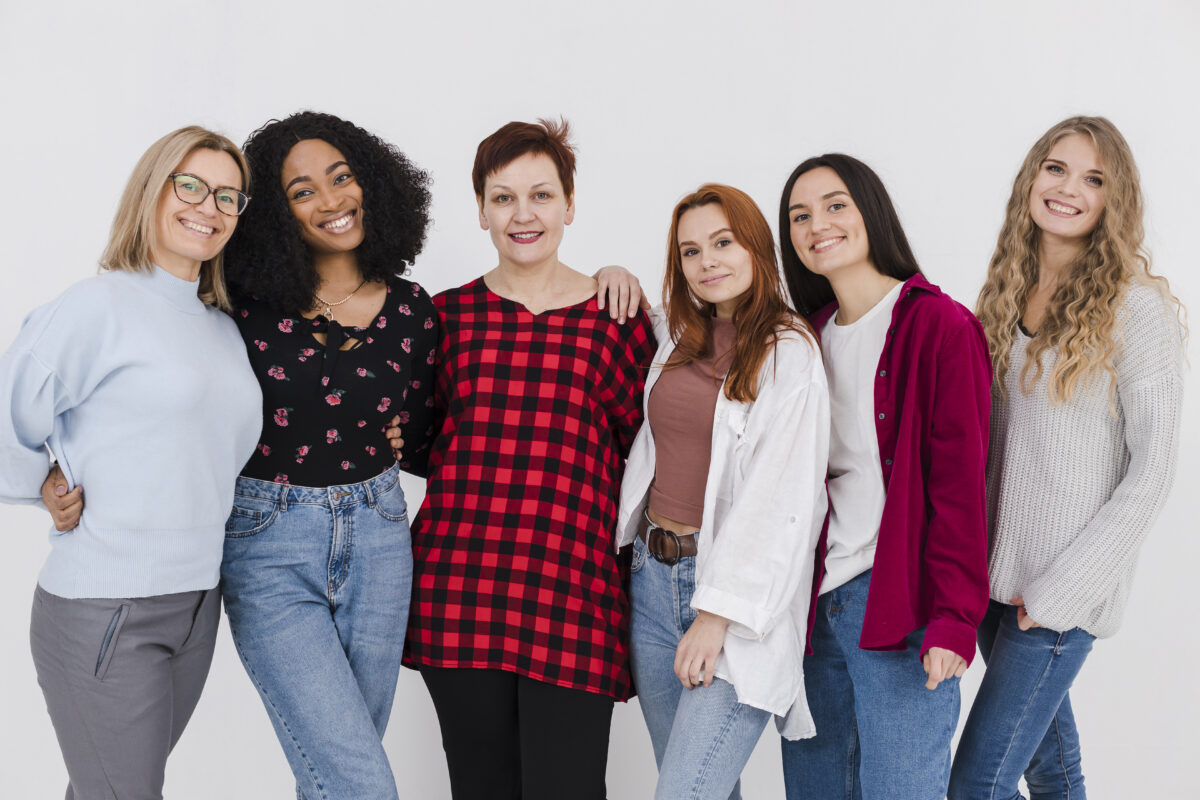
point(414, 384)
point(428, 323)
point(281, 417)
point(406, 344)
point(245, 313)
point(285, 325)
point(382, 321)
point(416, 290)
point(278, 374)
point(302, 451)
point(332, 436)
point(384, 404)
point(261, 345)
point(308, 351)
point(362, 423)
point(405, 310)
point(362, 373)
point(403, 416)
point(431, 358)
point(395, 367)
point(370, 449)
point(347, 465)
point(334, 398)
point(262, 448)
point(325, 380)
point(280, 477)
point(369, 340)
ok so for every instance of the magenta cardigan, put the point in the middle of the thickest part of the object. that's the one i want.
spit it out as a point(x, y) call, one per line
point(932, 402)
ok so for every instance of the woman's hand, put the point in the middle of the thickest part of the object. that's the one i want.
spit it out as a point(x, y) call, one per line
point(623, 291)
point(394, 438)
point(696, 656)
point(941, 664)
point(1024, 621)
point(65, 507)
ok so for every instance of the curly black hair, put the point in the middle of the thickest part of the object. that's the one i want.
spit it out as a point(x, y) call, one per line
point(267, 258)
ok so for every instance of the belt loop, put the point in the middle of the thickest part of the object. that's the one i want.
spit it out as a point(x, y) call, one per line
point(283, 495)
point(370, 494)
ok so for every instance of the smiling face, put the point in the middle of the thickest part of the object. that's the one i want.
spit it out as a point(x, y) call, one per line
point(525, 209)
point(188, 235)
point(826, 226)
point(718, 269)
point(1067, 197)
point(324, 196)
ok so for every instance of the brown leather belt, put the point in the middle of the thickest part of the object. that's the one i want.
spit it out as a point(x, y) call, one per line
point(667, 547)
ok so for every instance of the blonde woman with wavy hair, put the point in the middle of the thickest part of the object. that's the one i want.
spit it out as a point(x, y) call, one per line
point(138, 382)
point(1087, 349)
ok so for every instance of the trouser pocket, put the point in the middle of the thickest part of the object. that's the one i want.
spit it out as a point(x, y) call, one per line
point(109, 645)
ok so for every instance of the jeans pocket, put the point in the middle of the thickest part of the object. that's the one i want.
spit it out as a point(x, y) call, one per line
point(391, 504)
point(109, 645)
point(250, 516)
point(639, 555)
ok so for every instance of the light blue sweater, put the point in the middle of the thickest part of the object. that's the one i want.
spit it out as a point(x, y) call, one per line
point(146, 397)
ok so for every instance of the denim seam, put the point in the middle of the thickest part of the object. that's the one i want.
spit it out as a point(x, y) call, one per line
point(1061, 762)
point(275, 711)
point(707, 762)
point(995, 780)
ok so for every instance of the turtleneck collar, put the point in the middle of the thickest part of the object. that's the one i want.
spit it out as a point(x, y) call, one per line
point(182, 295)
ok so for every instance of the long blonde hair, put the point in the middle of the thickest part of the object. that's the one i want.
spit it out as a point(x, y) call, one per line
point(1081, 317)
point(134, 233)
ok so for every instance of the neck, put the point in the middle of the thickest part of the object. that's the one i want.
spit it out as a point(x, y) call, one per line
point(525, 282)
point(858, 289)
point(1055, 257)
point(337, 272)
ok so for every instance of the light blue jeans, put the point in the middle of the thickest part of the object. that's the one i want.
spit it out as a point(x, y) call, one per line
point(702, 737)
point(1021, 720)
point(316, 583)
point(881, 734)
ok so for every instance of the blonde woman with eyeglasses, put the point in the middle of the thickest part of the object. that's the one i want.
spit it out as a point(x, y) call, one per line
point(125, 378)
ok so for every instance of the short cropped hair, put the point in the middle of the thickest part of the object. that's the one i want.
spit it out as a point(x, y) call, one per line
point(516, 139)
point(134, 232)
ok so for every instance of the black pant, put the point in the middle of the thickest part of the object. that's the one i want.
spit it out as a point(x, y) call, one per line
point(508, 737)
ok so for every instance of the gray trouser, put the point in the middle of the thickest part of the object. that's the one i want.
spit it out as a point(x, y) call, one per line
point(121, 678)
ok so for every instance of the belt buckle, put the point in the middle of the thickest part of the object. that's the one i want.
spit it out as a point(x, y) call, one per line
point(670, 561)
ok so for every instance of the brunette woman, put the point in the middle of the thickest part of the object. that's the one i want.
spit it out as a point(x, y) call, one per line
point(137, 380)
point(723, 500)
point(1088, 357)
point(519, 623)
point(901, 578)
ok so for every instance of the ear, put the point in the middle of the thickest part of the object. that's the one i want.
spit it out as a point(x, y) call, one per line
point(569, 216)
point(483, 223)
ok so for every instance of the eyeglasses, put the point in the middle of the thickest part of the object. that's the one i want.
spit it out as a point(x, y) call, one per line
point(193, 190)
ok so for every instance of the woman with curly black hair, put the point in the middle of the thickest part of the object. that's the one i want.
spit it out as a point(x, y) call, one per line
point(318, 561)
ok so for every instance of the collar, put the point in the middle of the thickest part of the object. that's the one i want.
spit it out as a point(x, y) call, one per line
point(918, 282)
point(178, 293)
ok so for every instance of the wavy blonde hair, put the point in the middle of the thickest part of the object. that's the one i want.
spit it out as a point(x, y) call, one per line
point(1081, 318)
point(134, 234)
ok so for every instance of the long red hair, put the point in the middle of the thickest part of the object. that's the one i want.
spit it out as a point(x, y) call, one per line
point(761, 314)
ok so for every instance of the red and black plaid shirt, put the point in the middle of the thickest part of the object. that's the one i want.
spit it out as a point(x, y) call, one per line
point(514, 561)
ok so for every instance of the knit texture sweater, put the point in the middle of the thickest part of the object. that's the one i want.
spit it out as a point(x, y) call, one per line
point(1074, 488)
point(146, 397)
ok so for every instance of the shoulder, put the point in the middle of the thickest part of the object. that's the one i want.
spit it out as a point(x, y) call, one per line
point(406, 291)
point(82, 306)
point(795, 358)
point(468, 294)
point(1149, 334)
point(1146, 306)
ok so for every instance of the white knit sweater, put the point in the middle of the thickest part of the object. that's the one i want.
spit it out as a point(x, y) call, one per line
point(1073, 489)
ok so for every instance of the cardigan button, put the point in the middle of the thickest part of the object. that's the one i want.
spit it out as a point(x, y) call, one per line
point(882, 415)
point(887, 461)
point(883, 373)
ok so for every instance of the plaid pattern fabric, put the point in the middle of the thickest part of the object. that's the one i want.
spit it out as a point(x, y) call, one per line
point(515, 565)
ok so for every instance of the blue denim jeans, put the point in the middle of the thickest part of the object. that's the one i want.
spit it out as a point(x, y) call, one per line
point(317, 584)
point(880, 733)
point(1021, 720)
point(702, 737)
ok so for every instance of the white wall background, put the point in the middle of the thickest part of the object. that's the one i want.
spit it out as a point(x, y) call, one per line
point(942, 98)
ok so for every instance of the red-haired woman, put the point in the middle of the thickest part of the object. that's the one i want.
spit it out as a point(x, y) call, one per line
point(723, 500)
point(519, 619)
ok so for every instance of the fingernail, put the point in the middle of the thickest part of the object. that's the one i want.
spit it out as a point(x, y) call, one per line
point(60, 490)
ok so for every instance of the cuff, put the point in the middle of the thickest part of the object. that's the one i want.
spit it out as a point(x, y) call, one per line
point(957, 637)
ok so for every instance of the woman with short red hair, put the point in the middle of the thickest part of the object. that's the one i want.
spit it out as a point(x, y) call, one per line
point(519, 621)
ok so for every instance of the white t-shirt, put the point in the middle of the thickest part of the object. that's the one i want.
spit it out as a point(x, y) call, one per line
point(856, 492)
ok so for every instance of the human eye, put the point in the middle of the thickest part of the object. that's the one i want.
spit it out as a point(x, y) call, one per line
point(343, 178)
point(836, 206)
point(724, 241)
point(1095, 180)
point(1054, 169)
point(800, 217)
point(541, 195)
point(688, 252)
point(501, 198)
point(300, 194)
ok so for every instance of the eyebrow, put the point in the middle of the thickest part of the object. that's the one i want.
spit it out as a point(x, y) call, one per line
point(834, 193)
point(1064, 164)
point(301, 178)
point(711, 236)
point(495, 186)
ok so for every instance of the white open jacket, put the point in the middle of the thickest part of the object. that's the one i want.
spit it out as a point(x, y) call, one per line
point(764, 505)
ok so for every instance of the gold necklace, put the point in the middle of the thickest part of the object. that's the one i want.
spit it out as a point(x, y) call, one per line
point(328, 312)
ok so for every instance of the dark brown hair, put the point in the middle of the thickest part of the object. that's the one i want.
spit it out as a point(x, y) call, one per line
point(516, 139)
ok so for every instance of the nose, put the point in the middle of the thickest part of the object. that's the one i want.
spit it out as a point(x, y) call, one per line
point(524, 211)
point(330, 200)
point(207, 206)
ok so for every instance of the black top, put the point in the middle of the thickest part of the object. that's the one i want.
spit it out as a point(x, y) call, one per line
point(325, 409)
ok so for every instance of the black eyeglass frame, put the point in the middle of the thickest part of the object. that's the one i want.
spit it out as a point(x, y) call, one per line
point(208, 190)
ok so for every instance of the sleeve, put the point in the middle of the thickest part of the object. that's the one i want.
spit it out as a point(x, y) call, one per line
point(625, 391)
point(32, 396)
point(1150, 397)
point(418, 417)
point(763, 551)
point(955, 556)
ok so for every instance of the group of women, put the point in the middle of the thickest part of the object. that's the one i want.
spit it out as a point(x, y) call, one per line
point(745, 508)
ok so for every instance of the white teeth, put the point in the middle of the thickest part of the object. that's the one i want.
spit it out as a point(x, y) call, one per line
point(338, 223)
point(526, 236)
point(198, 228)
point(1061, 209)
point(823, 246)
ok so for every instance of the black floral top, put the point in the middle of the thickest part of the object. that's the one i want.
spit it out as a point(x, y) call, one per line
point(325, 409)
